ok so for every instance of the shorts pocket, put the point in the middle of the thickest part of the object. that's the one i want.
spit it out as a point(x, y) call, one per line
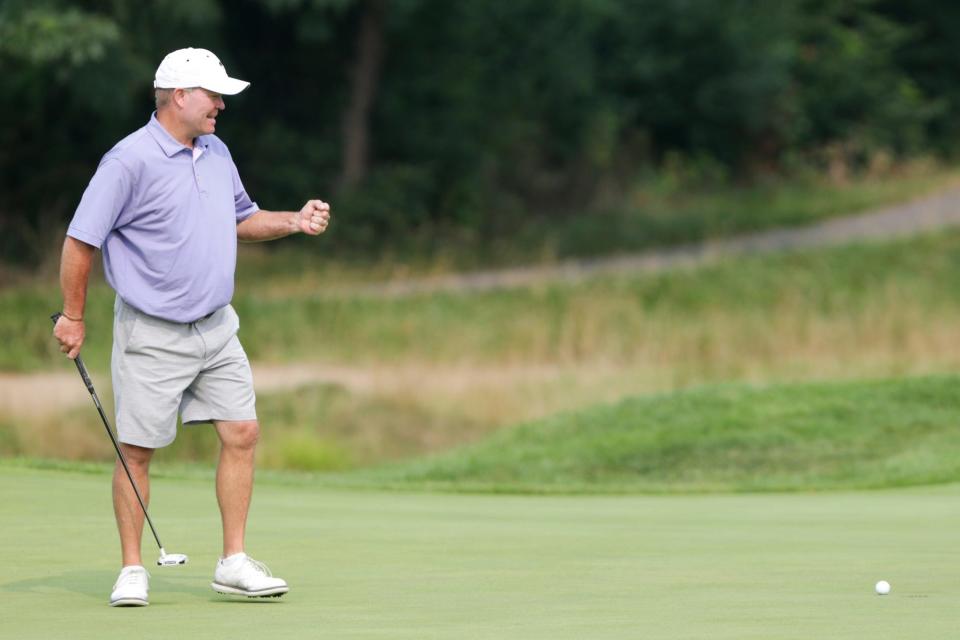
point(233, 319)
point(126, 326)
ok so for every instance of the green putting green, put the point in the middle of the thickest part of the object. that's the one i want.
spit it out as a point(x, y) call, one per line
point(408, 565)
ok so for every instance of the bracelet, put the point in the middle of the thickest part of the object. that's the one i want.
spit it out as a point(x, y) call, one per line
point(64, 314)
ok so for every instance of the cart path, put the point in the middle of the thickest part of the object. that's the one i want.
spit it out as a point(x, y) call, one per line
point(923, 215)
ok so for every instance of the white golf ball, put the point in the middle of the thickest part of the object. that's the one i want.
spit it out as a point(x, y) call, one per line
point(883, 588)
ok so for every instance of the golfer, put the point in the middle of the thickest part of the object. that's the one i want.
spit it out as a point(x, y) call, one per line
point(166, 207)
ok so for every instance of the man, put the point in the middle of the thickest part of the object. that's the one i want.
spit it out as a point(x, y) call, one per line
point(166, 206)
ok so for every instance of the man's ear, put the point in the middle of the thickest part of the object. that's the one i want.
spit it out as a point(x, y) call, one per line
point(179, 97)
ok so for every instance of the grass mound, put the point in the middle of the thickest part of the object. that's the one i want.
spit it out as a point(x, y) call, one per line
point(731, 438)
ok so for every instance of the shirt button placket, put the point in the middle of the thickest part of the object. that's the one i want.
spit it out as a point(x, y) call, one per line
point(196, 175)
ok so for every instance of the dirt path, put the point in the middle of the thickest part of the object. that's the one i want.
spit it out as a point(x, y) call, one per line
point(50, 393)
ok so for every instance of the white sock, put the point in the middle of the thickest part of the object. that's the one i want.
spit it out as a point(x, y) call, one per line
point(237, 557)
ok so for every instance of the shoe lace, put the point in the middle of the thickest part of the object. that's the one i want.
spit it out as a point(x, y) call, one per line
point(259, 566)
point(132, 577)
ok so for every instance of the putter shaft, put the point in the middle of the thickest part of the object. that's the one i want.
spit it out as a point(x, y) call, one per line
point(116, 446)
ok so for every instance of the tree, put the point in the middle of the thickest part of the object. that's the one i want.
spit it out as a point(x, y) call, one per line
point(365, 77)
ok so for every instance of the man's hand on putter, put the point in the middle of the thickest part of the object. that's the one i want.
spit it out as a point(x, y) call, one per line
point(70, 334)
point(314, 217)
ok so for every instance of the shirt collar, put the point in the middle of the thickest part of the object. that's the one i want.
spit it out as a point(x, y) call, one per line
point(170, 145)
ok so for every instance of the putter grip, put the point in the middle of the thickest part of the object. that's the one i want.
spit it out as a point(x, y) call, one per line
point(82, 369)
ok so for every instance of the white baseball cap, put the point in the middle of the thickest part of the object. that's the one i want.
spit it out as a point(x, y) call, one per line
point(188, 68)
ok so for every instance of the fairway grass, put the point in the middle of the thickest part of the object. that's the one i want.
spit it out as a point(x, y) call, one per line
point(375, 565)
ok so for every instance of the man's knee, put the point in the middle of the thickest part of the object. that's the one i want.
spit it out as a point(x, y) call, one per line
point(136, 456)
point(239, 434)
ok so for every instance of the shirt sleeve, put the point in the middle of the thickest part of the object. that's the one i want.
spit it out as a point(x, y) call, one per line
point(105, 198)
point(245, 207)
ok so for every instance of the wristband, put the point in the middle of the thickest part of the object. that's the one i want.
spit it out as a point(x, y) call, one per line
point(64, 314)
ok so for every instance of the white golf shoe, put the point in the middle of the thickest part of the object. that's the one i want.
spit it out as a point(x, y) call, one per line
point(131, 588)
point(241, 575)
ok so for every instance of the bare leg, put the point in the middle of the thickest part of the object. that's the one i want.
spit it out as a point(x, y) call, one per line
point(238, 441)
point(125, 506)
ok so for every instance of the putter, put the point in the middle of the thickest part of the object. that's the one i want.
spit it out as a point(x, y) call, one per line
point(165, 559)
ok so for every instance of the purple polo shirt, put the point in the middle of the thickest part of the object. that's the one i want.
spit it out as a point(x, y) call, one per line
point(165, 217)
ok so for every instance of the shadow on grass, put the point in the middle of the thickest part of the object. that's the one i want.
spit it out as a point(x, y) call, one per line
point(245, 600)
point(96, 584)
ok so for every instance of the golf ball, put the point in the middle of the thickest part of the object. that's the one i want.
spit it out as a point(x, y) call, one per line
point(883, 588)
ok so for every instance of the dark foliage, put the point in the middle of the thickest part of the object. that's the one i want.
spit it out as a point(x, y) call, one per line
point(483, 113)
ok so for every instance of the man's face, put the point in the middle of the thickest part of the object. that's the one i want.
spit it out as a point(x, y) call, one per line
point(200, 110)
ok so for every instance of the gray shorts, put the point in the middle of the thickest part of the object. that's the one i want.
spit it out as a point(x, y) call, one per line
point(160, 369)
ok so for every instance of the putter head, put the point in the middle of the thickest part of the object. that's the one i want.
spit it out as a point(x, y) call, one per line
point(171, 559)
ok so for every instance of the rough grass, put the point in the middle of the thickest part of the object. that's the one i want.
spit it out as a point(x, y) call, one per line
point(891, 305)
point(423, 374)
point(444, 369)
point(848, 435)
point(875, 309)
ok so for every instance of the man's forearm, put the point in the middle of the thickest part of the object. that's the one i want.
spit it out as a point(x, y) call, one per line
point(268, 225)
point(75, 263)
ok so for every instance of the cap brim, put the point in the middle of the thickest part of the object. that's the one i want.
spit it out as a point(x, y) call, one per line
point(226, 86)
